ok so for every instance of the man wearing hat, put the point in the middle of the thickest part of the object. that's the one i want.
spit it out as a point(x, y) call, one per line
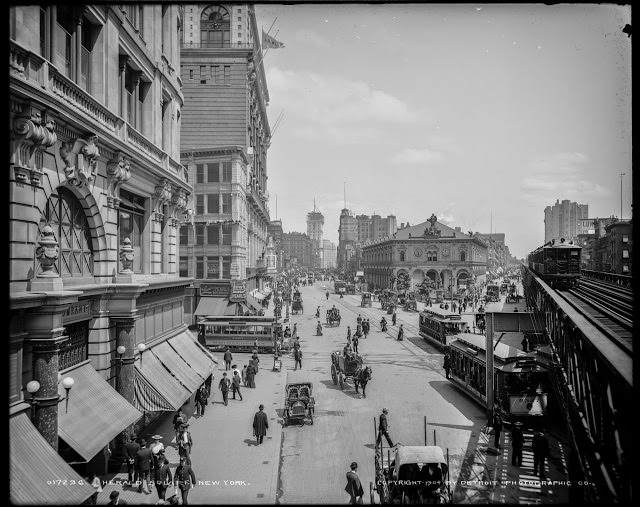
point(202, 395)
point(143, 466)
point(540, 446)
point(185, 443)
point(383, 428)
point(354, 487)
point(224, 387)
point(260, 424)
point(114, 499)
point(517, 441)
point(227, 359)
point(157, 451)
point(184, 479)
point(132, 447)
point(163, 476)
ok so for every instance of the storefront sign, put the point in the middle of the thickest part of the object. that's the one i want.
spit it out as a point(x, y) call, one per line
point(238, 290)
point(77, 312)
point(219, 290)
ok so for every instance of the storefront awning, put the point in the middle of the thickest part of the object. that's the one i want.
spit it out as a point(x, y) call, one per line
point(199, 358)
point(174, 394)
point(211, 306)
point(95, 413)
point(258, 295)
point(34, 463)
point(187, 376)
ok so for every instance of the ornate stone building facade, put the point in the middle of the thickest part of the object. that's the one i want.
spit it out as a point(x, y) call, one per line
point(429, 249)
point(96, 198)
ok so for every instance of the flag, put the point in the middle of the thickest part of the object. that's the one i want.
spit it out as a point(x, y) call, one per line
point(270, 42)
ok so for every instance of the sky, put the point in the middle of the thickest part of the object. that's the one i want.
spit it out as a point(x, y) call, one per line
point(481, 114)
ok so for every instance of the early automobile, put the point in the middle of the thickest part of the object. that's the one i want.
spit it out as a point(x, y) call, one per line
point(365, 299)
point(299, 403)
point(333, 317)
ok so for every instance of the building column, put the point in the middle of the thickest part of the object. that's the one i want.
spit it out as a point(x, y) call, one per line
point(78, 57)
point(125, 369)
point(123, 87)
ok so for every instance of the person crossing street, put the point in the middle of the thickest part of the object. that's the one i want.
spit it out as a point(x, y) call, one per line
point(383, 429)
point(224, 387)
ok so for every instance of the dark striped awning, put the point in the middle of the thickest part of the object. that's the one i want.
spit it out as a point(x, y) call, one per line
point(148, 398)
point(178, 367)
point(156, 375)
point(95, 413)
point(38, 475)
point(197, 356)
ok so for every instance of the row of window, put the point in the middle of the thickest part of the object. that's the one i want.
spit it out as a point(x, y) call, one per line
point(212, 265)
point(216, 172)
point(215, 203)
point(217, 74)
point(208, 234)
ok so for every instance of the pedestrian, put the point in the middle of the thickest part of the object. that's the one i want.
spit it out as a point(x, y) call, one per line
point(143, 466)
point(244, 375)
point(131, 449)
point(393, 318)
point(447, 365)
point(235, 384)
point(224, 387)
point(459, 310)
point(383, 429)
point(184, 479)
point(201, 399)
point(256, 361)
point(227, 359)
point(294, 334)
point(354, 486)
point(235, 369)
point(114, 498)
point(348, 332)
point(517, 441)
point(251, 373)
point(355, 344)
point(497, 426)
point(525, 344)
point(97, 486)
point(260, 424)
point(400, 333)
point(297, 356)
point(207, 384)
point(163, 477)
point(540, 447)
point(185, 442)
point(359, 320)
point(359, 329)
point(178, 420)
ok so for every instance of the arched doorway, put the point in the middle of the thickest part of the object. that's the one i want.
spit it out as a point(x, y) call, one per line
point(215, 27)
point(434, 276)
point(446, 279)
point(417, 277)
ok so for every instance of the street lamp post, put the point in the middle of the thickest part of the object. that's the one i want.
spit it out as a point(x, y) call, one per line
point(67, 383)
point(32, 388)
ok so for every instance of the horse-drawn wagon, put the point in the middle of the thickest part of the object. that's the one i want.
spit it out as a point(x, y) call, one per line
point(349, 366)
point(296, 306)
point(333, 317)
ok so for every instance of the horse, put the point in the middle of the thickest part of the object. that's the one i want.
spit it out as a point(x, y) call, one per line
point(362, 376)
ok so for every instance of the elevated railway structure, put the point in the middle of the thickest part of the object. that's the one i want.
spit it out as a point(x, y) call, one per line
point(611, 278)
point(590, 336)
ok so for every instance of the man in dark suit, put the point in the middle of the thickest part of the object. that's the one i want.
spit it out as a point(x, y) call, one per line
point(517, 442)
point(540, 446)
point(354, 487)
point(184, 479)
point(114, 499)
point(297, 355)
point(383, 428)
point(227, 359)
point(497, 426)
point(202, 395)
point(143, 466)
point(163, 477)
point(224, 387)
point(131, 449)
point(260, 424)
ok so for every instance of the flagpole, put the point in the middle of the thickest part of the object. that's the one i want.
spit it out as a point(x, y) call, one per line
point(274, 22)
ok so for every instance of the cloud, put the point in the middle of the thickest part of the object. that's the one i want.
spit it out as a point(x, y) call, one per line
point(560, 176)
point(346, 111)
point(307, 36)
point(417, 156)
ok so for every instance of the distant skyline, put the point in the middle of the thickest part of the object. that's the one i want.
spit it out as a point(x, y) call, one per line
point(465, 111)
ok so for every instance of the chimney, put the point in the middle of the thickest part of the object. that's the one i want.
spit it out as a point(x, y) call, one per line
point(401, 225)
point(458, 229)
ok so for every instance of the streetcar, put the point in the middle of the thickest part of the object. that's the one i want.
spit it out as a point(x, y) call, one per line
point(241, 333)
point(440, 326)
point(340, 286)
point(493, 293)
point(557, 263)
point(521, 379)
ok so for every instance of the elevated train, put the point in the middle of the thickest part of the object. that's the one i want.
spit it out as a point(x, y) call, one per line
point(557, 263)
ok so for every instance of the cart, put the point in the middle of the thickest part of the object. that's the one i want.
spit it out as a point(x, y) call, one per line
point(343, 368)
point(299, 403)
point(333, 317)
point(296, 306)
point(366, 299)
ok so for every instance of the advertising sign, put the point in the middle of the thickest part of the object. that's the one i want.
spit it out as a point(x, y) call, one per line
point(238, 290)
point(219, 290)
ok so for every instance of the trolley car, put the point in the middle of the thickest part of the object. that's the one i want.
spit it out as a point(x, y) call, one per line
point(521, 379)
point(493, 293)
point(440, 326)
point(557, 263)
point(241, 333)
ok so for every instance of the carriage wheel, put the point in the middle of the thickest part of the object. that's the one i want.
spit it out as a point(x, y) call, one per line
point(334, 374)
point(341, 382)
point(311, 417)
point(371, 492)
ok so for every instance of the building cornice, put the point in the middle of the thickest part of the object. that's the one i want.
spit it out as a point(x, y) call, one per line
point(187, 155)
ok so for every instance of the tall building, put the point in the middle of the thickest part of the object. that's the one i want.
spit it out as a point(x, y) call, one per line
point(562, 220)
point(347, 238)
point(97, 194)
point(298, 249)
point(315, 223)
point(275, 231)
point(329, 254)
point(224, 141)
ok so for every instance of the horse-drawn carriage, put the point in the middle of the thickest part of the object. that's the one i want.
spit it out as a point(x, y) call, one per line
point(366, 299)
point(333, 317)
point(389, 300)
point(349, 366)
point(299, 404)
point(296, 306)
point(410, 303)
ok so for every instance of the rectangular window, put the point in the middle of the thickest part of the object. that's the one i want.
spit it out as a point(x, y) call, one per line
point(199, 267)
point(239, 27)
point(217, 75)
point(200, 173)
point(184, 266)
point(213, 203)
point(226, 203)
point(213, 267)
point(213, 234)
point(213, 172)
point(199, 234)
point(203, 74)
point(226, 234)
point(184, 235)
point(239, 18)
point(227, 75)
point(226, 267)
point(625, 268)
point(625, 254)
point(131, 225)
point(625, 238)
point(226, 171)
point(63, 30)
point(200, 204)
point(191, 74)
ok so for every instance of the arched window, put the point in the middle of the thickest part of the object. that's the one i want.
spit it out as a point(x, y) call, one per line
point(402, 256)
point(64, 213)
point(463, 255)
point(215, 27)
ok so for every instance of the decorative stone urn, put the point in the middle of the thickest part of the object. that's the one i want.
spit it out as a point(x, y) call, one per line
point(47, 252)
point(126, 256)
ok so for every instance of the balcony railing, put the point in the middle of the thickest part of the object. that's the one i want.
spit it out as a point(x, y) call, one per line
point(217, 45)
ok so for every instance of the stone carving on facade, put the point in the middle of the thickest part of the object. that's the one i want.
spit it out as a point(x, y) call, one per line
point(126, 256)
point(47, 252)
point(179, 202)
point(432, 231)
point(81, 160)
point(118, 172)
point(28, 138)
point(163, 196)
